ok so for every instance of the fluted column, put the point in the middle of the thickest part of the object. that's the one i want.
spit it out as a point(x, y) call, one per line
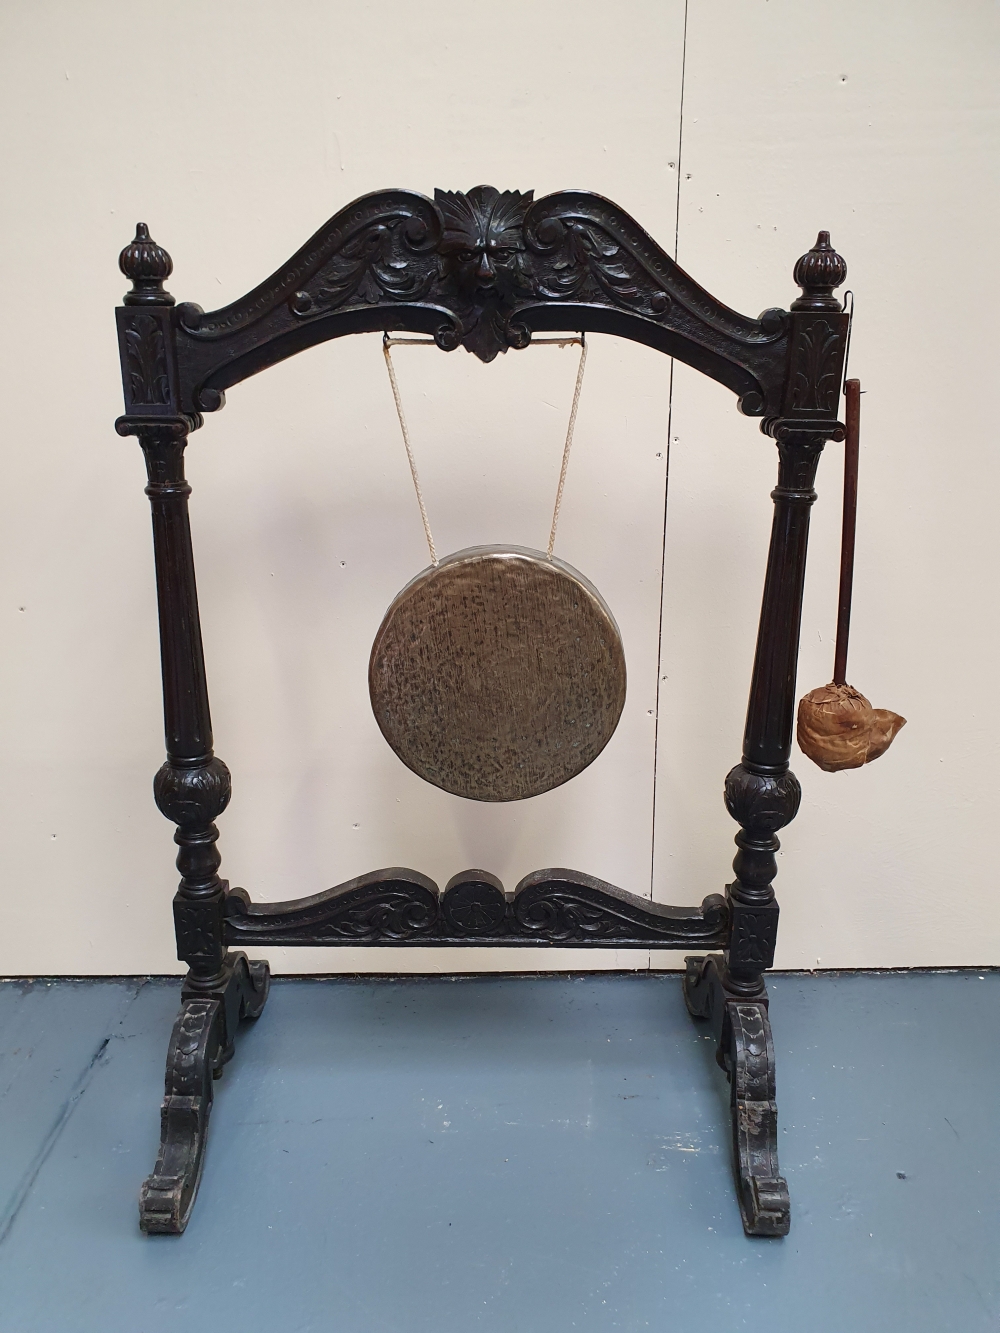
point(192, 788)
point(762, 794)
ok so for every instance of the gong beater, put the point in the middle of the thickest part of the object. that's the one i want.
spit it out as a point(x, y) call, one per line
point(498, 672)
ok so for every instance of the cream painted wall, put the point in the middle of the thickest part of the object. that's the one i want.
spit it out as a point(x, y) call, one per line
point(234, 130)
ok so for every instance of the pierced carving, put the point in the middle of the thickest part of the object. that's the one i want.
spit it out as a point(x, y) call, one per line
point(550, 907)
point(146, 357)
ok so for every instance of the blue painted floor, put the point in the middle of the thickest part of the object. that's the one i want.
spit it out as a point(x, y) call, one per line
point(505, 1154)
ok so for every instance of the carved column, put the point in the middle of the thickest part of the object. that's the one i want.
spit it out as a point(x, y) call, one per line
point(193, 787)
point(762, 794)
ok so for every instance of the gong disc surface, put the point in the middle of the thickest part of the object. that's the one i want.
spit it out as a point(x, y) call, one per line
point(498, 674)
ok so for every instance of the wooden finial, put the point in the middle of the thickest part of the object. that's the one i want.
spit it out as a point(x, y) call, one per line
point(817, 273)
point(147, 264)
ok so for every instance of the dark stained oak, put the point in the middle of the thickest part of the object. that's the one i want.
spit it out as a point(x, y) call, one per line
point(483, 270)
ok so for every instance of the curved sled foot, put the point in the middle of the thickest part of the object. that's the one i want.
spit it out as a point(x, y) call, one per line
point(746, 1052)
point(202, 1042)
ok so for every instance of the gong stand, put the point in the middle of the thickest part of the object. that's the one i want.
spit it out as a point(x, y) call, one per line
point(484, 271)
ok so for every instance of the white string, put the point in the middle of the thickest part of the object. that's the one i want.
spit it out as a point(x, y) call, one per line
point(388, 343)
point(569, 443)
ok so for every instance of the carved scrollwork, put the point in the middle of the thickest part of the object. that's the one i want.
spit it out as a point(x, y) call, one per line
point(579, 260)
point(762, 1191)
point(591, 246)
point(564, 907)
point(478, 268)
point(389, 259)
point(551, 907)
point(385, 243)
point(386, 907)
point(202, 1041)
point(746, 1052)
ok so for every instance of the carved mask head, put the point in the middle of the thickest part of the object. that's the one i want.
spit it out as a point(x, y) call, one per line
point(482, 240)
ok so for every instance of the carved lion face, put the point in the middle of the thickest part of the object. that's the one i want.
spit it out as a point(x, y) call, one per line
point(482, 239)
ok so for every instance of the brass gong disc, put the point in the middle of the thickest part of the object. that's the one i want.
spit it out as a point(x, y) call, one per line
point(498, 674)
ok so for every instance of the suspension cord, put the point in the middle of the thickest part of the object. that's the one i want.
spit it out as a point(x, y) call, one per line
point(387, 345)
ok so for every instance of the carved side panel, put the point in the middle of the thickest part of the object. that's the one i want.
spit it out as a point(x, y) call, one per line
point(754, 935)
point(817, 348)
point(149, 375)
point(198, 928)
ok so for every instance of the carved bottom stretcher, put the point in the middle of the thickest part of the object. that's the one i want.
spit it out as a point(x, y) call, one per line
point(483, 270)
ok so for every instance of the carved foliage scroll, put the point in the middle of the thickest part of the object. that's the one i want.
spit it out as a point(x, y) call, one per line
point(479, 258)
point(403, 907)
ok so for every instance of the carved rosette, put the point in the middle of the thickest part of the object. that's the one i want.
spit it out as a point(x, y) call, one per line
point(192, 797)
point(474, 903)
point(198, 930)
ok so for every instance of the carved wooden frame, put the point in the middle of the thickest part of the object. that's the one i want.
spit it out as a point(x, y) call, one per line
point(484, 270)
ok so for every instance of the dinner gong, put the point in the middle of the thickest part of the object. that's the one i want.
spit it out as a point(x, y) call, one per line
point(498, 672)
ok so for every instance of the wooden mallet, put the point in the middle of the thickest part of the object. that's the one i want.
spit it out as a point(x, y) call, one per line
point(837, 726)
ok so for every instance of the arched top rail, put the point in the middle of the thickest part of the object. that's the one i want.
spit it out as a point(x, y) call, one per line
point(483, 270)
